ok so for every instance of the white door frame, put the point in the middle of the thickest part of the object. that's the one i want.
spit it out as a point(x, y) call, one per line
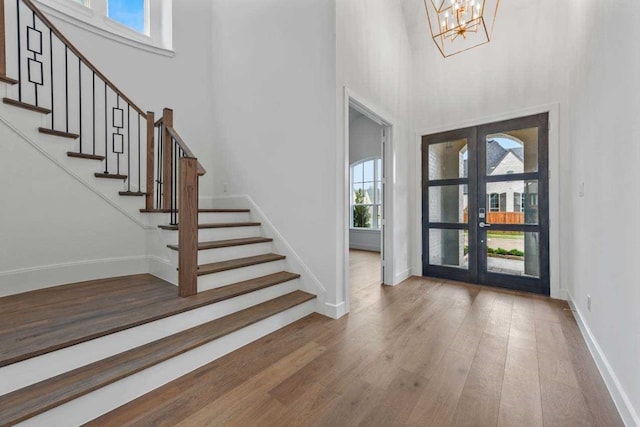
point(377, 115)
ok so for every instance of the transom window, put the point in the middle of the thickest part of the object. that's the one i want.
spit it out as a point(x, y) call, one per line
point(366, 194)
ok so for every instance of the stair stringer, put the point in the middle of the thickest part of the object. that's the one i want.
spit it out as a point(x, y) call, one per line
point(24, 125)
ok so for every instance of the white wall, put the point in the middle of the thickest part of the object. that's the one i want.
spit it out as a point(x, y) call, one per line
point(274, 122)
point(365, 138)
point(54, 230)
point(374, 63)
point(365, 142)
point(604, 153)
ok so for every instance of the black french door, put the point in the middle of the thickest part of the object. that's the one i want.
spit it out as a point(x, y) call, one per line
point(485, 204)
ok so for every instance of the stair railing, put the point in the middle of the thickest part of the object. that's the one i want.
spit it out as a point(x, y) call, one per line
point(55, 78)
point(176, 191)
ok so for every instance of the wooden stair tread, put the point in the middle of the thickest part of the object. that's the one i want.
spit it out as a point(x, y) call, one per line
point(227, 243)
point(25, 403)
point(132, 193)
point(199, 210)
point(59, 133)
point(217, 267)
point(216, 225)
point(110, 176)
point(46, 320)
point(26, 106)
point(9, 80)
point(84, 156)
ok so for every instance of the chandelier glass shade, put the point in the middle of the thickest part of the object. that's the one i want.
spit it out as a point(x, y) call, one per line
point(459, 25)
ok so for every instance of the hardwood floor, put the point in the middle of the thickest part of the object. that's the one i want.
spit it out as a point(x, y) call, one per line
point(45, 320)
point(426, 353)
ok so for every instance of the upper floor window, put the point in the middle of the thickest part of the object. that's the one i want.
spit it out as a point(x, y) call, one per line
point(141, 23)
point(366, 194)
point(131, 13)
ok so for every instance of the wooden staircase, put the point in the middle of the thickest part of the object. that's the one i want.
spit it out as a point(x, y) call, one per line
point(71, 353)
point(140, 309)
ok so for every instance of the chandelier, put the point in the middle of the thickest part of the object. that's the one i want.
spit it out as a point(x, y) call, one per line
point(459, 25)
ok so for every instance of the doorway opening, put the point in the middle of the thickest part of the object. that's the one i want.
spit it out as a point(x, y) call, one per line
point(486, 204)
point(367, 138)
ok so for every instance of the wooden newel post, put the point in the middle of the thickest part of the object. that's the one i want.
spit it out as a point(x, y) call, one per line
point(3, 38)
point(150, 159)
point(188, 227)
point(167, 122)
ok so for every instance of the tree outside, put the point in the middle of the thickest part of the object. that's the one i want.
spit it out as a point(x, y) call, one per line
point(361, 214)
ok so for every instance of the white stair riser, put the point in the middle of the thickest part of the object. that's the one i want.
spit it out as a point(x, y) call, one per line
point(224, 254)
point(99, 402)
point(216, 280)
point(163, 218)
point(223, 217)
point(39, 368)
point(213, 234)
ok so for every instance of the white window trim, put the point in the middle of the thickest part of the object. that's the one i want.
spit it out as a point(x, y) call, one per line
point(158, 23)
point(377, 178)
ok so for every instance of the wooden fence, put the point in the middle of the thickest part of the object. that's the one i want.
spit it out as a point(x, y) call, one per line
point(502, 218)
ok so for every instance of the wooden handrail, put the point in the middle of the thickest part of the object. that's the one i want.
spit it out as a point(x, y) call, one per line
point(187, 151)
point(77, 52)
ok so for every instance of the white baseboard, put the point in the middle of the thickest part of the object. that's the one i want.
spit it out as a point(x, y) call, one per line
point(364, 247)
point(620, 398)
point(335, 311)
point(40, 277)
point(401, 277)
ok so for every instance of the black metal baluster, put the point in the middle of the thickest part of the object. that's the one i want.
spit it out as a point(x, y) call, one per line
point(139, 157)
point(51, 69)
point(129, 147)
point(19, 52)
point(35, 57)
point(66, 84)
point(93, 85)
point(160, 161)
point(118, 132)
point(80, 99)
point(106, 142)
point(174, 173)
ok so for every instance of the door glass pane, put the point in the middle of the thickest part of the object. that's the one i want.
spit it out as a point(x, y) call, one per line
point(448, 248)
point(512, 152)
point(514, 253)
point(448, 203)
point(448, 160)
point(512, 202)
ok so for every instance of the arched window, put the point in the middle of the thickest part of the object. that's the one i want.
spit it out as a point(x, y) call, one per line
point(366, 193)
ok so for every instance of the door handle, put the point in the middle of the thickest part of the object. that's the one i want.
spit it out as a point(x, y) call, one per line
point(483, 225)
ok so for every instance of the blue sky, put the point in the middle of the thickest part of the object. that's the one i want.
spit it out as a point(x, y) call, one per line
point(128, 12)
